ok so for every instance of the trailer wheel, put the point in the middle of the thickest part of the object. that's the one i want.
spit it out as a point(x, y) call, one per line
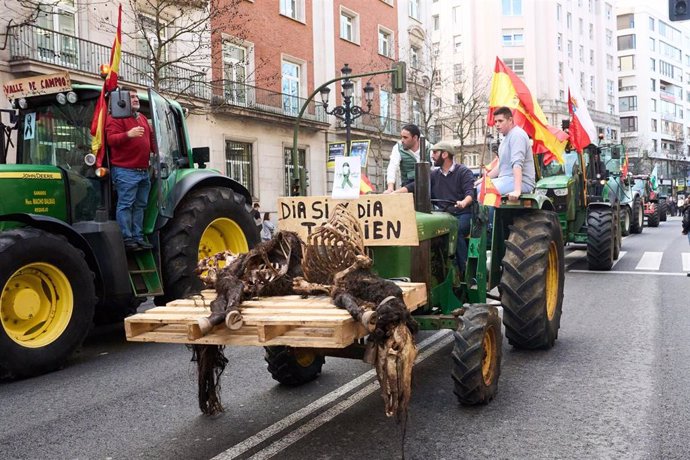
point(46, 303)
point(601, 239)
point(626, 220)
point(663, 210)
point(209, 220)
point(637, 222)
point(653, 218)
point(532, 280)
point(477, 355)
point(293, 366)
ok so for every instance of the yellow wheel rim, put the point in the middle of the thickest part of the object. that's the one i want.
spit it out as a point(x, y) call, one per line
point(552, 281)
point(304, 356)
point(220, 235)
point(489, 358)
point(36, 305)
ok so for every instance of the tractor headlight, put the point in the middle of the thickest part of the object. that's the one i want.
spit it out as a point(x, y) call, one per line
point(23, 104)
point(541, 191)
point(560, 191)
point(71, 97)
point(61, 98)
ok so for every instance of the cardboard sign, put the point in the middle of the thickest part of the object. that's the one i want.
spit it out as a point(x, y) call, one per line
point(37, 85)
point(386, 220)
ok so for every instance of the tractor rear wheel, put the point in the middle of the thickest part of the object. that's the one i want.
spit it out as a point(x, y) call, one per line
point(663, 210)
point(477, 355)
point(653, 218)
point(626, 218)
point(293, 366)
point(532, 280)
point(601, 239)
point(209, 220)
point(637, 222)
point(46, 302)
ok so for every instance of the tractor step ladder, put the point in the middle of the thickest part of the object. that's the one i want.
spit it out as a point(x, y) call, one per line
point(143, 274)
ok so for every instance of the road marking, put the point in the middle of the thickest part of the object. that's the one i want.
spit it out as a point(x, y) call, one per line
point(650, 261)
point(620, 256)
point(686, 261)
point(627, 273)
point(249, 443)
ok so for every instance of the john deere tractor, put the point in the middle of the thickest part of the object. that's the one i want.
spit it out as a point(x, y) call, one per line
point(588, 206)
point(62, 258)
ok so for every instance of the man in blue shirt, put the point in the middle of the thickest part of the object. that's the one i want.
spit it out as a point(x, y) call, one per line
point(454, 183)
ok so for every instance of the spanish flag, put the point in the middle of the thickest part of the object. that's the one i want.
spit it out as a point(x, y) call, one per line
point(488, 195)
point(101, 110)
point(507, 89)
point(365, 186)
point(624, 166)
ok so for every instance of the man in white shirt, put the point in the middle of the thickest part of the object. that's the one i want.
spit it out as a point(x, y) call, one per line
point(403, 157)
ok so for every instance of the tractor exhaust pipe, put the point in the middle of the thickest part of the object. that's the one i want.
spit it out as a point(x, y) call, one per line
point(422, 171)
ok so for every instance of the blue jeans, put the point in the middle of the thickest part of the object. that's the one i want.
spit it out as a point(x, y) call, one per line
point(132, 187)
point(464, 221)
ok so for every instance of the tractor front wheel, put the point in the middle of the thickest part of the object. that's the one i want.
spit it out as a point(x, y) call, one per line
point(663, 211)
point(477, 355)
point(293, 366)
point(637, 222)
point(532, 281)
point(207, 221)
point(46, 302)
point(626, 220)
point(653, 218)
point(601, 239)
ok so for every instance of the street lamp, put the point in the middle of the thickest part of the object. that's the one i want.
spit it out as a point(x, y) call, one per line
point(348, 112)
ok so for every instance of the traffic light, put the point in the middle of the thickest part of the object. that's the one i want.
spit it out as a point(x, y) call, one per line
point(678, 10)
point(399, 77)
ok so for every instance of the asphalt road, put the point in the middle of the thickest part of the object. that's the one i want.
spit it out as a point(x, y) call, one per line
point(614, 386)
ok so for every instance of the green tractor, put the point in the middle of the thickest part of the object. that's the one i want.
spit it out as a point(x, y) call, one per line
point(588, 206)
point(62, 258)
point(664, 190)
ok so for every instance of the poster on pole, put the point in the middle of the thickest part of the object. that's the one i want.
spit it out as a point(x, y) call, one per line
point(359, 148)
point(335, 149)
point(348, 172)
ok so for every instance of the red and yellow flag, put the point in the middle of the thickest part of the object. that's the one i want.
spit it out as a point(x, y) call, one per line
point(624, 166)
point(507, 89)
point(101, 110)
point(492, 165)
point(365, 186)
point(488, 194)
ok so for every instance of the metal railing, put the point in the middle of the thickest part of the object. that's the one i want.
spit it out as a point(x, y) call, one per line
point(374, 123)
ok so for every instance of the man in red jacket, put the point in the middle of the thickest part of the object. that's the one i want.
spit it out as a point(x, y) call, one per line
point(129, 140)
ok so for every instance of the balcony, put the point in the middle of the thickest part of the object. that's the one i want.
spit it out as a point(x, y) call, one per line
point(374, 124)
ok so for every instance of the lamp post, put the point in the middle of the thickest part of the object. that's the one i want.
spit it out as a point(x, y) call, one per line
point(348, 112)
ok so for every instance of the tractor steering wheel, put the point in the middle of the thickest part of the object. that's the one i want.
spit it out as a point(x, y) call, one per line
point(443, 205)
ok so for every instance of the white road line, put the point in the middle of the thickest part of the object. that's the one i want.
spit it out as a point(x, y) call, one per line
point(620, 256)
point(249, 443)
point(325, 417)
point(686, 261)
point(650, 261)
point(627, 273)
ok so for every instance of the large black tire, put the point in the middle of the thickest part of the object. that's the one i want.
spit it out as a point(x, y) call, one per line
point(663, 210)
point(47, 300)
point(532, 281)
point(637, 221)
point(601, 239)
point(626, 220)
point(618, 235)
point(293, 366)
point(653, 218)
point(477, 355)
point(218, 215)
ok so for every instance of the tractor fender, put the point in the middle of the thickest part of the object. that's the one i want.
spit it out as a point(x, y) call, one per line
point(204, 178)
point(58, 227)
point(537, 201)
point(599, 205)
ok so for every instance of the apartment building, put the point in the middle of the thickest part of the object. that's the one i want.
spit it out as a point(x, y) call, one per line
point(547, 44)
point(247, 82)
point(654, 100)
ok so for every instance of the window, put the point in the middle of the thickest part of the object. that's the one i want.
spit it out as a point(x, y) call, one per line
point(651, 23)
point(559, 41)
point(517, 65)
point(413, 9)
point(234, 73)
point(652, 44)
point(457, 43)
point(435, 22)
point(512, 37)
point(291, 87)
point(652, 64)
point(653, 85)
point(581, 26)
point(570, 48)
point(385, 104)
point(238, 162)
point(609, 11)
point(293, 9)
point(416, 112)
point(511, 7)
point(289, 167)
point(582, 81)
point(385, 42)
point(609, 87)
point(560, 68)
point(652, 105)
point(609, 62)
point(414, 57)
point(456, 15)
point(559, 12)
point(626, 84)
point(591, 31)
point(626, 42)
point(626, 63)
point(626, 21)
point(61, 48)
point(627, 103)
point(655, 145)
point(148, 45)
point(591, 57)
point(435, 49)
point(654, 125)
point(349, 25)
point(457, 73)
point(592, 85)
point(569, 20)
point(582, 53)
point(609, 37)
point(628, 124)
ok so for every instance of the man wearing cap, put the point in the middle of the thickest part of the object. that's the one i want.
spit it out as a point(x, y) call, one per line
point(454, 183)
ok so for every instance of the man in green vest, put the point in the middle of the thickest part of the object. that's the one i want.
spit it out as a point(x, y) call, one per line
point(403, 157)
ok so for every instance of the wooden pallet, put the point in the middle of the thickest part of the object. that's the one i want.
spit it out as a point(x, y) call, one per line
point(287, 320)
